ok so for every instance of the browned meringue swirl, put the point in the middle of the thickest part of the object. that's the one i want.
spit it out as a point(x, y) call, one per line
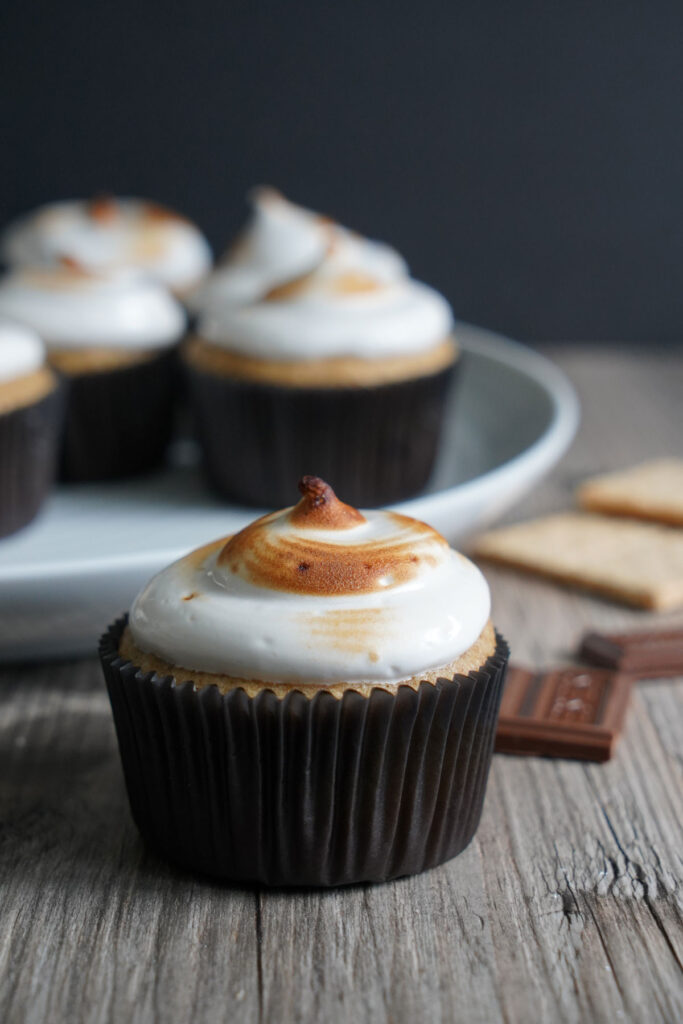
point(103, 208)
point(351, 282)
point(321, 509)
point(290, 289)
point(276, 553)
point(68, 274)
point(156, 213)
point(344, 282)
point(74, 266)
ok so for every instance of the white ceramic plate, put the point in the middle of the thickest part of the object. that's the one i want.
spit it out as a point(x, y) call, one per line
point(65, 577)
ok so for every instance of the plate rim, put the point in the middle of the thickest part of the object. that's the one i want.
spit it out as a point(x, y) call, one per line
point(541, 453)
point(533, 461)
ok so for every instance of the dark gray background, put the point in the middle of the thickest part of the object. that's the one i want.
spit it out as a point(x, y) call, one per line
point(527, 158)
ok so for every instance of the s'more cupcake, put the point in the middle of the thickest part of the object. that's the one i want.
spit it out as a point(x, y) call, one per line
point(31, 403)
point(108, 233)
point(311, 701)
point(112, 335)
point(315, 347)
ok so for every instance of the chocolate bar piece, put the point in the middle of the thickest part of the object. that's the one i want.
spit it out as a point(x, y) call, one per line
point(646, 654)
point(573, 712)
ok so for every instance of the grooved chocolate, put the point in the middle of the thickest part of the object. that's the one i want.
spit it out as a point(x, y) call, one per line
point(576, 713)
point(643, 654)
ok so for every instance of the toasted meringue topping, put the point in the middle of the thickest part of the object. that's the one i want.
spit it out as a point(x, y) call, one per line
point(53, 279)
point(72, 306)
point(107, 232)
point(21, 352)
point(316, 593)
point(104, 209)
point(322, 546)
point(299, 286)
point(320, 508)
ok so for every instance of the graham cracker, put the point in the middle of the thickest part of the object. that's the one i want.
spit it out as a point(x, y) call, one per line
point(651, 490)
point(633, 562)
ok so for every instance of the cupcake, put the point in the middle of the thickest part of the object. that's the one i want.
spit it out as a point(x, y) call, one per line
point(30, 416)
point(314, 347)
point(112, 335)
point(311, 701)
point(107, 233)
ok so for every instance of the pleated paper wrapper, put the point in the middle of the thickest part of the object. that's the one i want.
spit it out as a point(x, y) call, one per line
point(375, 445)
point(119, 422)
point(304, 791)
point(29, 447)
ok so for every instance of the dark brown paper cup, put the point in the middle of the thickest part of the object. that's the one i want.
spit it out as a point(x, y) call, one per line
point(119, 422)
point(376, 444)
point(304, 791)
point(29, 446)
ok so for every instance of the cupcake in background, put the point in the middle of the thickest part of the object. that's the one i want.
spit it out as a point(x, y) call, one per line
point(111, 233)
point(312, 701)
point(314, 347)
point(31, 403)
point(113, 336)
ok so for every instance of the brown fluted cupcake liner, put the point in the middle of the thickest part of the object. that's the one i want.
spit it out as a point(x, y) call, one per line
point(304, 791)
point(29, 447)
point(378, 444)
point(119, 422)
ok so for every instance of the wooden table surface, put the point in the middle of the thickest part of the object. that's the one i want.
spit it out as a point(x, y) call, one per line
point(567, 906)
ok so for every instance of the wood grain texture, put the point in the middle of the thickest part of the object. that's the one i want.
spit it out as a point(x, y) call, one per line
point(568, 905)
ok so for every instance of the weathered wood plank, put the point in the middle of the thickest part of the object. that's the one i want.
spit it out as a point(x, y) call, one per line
point(414, 949)
point(93, 927)
point(567, 907)
point(591, 865)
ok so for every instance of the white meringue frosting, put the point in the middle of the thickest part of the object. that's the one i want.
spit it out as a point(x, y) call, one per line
point(298, 286)
point(70, 307)
point(21, 352)
point(319, 593)
point(109, 233)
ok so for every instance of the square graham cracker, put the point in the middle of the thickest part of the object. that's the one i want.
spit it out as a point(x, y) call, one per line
point(651, 490)
point(637, 563)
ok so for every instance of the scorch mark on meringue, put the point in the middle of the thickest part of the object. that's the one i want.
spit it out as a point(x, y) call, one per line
point(355, 282)
point(68, 274)
point(320, 508)
point(156, 213)
point(287, 551)
point(349, 629)
point(352, 282)
point(73, 265)
point(103, 208)
point(292, 288)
